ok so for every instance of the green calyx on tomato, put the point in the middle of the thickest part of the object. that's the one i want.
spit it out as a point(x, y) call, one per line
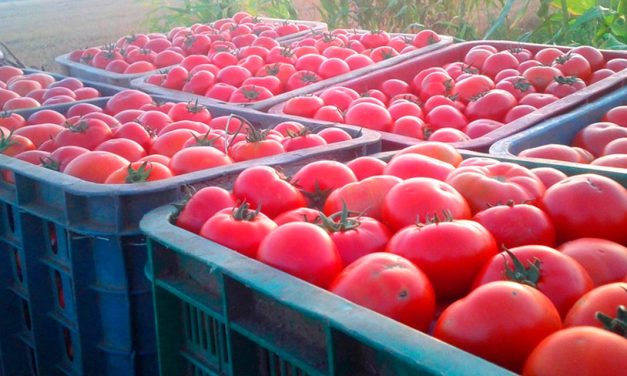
point(6, 141)
point(243, 212)
point(140, 175)
point(520, 273)
point(341, 221)
point(194, 107)
point(565, 80)
point(256, 135)
point(300, 133)
point(50, 164)
point(616, 325)
point(204, 140)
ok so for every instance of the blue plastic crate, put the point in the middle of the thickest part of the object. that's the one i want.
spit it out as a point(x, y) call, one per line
point(74, 299)
point(561, 130)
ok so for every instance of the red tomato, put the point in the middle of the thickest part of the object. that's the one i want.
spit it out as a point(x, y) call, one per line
point(301, 79)
point(501, 322)
point(139, 172)
point(547, 55)
point(556, 275)
point(302, 141)
point(61, 156)
point(42, 116)
point(369, 115)
point(189, 111)
point(486, 186)
point(497, 62)
point(87, 133)
point(265, 188)
point(238, 228)
point(365, 167)
point(518, 111)
point(605, 300)
point(250, 93)
point(256, 145)
point(319, 178)
point(573, 64)
point(135, 132)
point(298, 215)
point(549, 175)
point(39, 133)
point(197, 158)
point(473, 86)
point(541, 76)
point(390, 285)
point(446, 116)
point(412, 165)
point(129, 149)
point(563, 86)
point(494, 104)
point(202, 206)
point(558, 152)
point(418, 200)
point(332, 135)
point(516, 225)
point(617, 160)
point(481, 127)
point(437, 150)
point(316, 261)
point(518, 86)
point(617, 115)
point(604, 260)
point(596, 136)
point(450, 253)
point(588, 205)
point(333, 67)
point(436, 83)
point(365, 197)
point(305, 106)
point(127, 99)
point(95, 166)
point(582, 351)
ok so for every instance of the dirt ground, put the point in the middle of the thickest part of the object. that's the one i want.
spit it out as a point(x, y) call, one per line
point(39, 30)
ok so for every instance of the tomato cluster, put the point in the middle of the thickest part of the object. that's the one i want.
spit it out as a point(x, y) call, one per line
point(265, 68)
point(19, 90)
point(133, 140)
point(497, 249)
point(465, 99)
point(599, 144)
point(139, 53)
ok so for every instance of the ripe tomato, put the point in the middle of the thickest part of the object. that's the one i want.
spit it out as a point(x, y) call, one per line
point(596, 136)
point(303, 140)
point(437, 150)
point(390, 285)
point(558, 152)
point(541, 76)
point(39, 133)
point(497, 62)
point(588, 205)
point(129, 149)
point(171, 142)
point(563, 86)
point(319, 178)
point(202, 206)
point(301, 79)
point(413, 165)
point(365, 167)
point(617, 115)
point(298, 215)
point(573, 64)
point(95, 166)
point(498, 183)
point(446, 116)
point(197, 158)
point(316, 261)
point(305, 106)
point(473, 86)
point(189, 111)
point(332, 135)
point(139, 172)
point(556, 275)
point(518, 86)
point(238, 228)
point(256, 145)
point(604, 260)
point(127, 99)
point(549, 175)
point(605, 299)
point(87, 133)
point(516, 225)
point(417, 200)
point(494, 104)
point(369, 115)
point(250, 93)
point(501, 322)
point(582, 351)
point(265, 188)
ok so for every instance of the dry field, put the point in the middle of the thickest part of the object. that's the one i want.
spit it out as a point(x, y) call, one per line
point(39, 30)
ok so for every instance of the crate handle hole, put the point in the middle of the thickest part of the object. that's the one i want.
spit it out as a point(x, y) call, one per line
point(59, 285)
point(10, 219)
point(18, 265)
point(26, 313)
point(52, 236)
point(69, 347)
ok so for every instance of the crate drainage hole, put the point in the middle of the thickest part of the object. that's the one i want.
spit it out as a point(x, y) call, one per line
point(59, 285)
point(18, 265)
point(69, 348)
point(52, 236)
point(26, 312)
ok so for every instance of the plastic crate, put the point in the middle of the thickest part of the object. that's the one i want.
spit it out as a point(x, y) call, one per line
point(409, 68)
point(76, 69)
point(221, 313)
point(561, 130)
point(104, 89)
point(74, 297)
point(263, 105)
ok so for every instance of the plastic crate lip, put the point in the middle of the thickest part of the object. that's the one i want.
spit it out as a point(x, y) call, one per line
point(65, 61)
point(409, 344)
point(503, 147)
point(100, 86)
point(75, 185)
point(141, 84)
point(552, 109)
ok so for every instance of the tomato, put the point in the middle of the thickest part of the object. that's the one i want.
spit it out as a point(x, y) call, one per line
point(61, 156)
point(518, 86)
point(339, 97)
point(437, 150)
point(369, 115)
point(333, 67)
point(563, 86)
point(501, 322)
point(272, 83)
point(189, 111)
point(599, 75)
point(305, 106)
point(548, 55)
point(319, 178)
point(617, 115)
point(250, 93)
point(424, 38)
point(403, 108)
point(541, 76)
point(365, 167)
point(355, 236)
point(374, 39)
point(516, 225)
point(390, 285)
point(556, 275)
point(154, 120)
point(358, 61)
point(82, 109)
point(617, 160)
point(139, 172)
point(548, 175)
point(36, 157)
point(412, 165)
point(481, 127)
point(282, 70)
point(197, 158)
point(238, 228)
point(20, 103)
point(41, 116)
point(538, 100)
point(126, 99)
point(436, 83)
point(497, 62)
point(332, 135)
point(492, 105)
point(604, 260)
point(473, 86)
point(135, 132)
point(302, 140)
point(301, 79)
point(477, 57)
point(95, 166)
point(129, 149)
point(582, 351)
point(87, 133)
point(588, 205)
point(596, 136)
point(558, 152)
point(605, 299)
point(518, 111)
point(202, 206)
point(171, 142)
point(267, 189)
point(446, 116)
point(39, 133)
point(316, 260)
point(298, 215)
point(418, 200)
point(573, 64)
point(256, 145)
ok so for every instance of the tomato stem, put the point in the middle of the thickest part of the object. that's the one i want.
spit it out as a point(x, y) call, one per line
point(616, 325)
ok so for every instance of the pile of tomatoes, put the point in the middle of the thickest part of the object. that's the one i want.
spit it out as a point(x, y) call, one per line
point(265, 68)
point(19, 90)
point(496, 259)
point(599, 144)
point(141, 53)
point(465, 99)
point(132, 139)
